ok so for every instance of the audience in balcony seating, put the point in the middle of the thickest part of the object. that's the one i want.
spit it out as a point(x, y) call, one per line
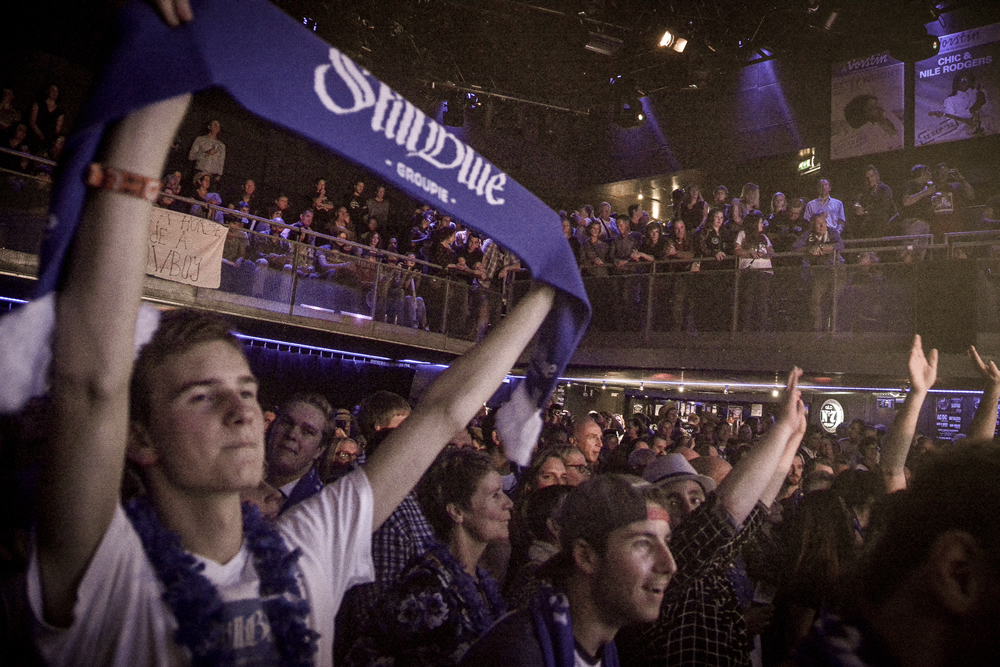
point(606, 244)
point(16, 140)
point(876, 208)
point(430, 604)
point(836, 218)
point(10, 115)
point(754, 249)
point(594, 253)
point(694, 209)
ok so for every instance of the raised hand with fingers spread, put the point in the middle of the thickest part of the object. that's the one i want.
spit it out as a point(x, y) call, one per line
point(923, 369)
point(984, 422)
point(923, 375)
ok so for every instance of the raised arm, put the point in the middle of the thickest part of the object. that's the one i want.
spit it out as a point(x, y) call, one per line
point(984, 423)
point(923, 374)
point(964, 184)
point(753, 477)
point(910, 200)
point(777, 481)
point(92, 361)
point(450, 402)
point(174, 12)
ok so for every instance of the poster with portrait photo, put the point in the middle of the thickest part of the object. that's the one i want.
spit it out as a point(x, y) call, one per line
point(956, 92)
point(866, 106)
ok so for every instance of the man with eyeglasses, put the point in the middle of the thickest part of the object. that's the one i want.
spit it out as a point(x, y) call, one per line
point(577, 468)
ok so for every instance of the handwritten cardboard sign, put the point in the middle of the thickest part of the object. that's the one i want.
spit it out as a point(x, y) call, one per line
point(185, 249)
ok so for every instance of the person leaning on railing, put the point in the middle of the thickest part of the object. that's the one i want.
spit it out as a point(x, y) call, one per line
point(820, 248)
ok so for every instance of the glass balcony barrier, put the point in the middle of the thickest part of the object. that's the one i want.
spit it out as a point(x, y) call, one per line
point(307, 274)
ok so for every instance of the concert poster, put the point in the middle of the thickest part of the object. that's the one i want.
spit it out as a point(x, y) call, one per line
point(947, 417)
point(866, 106)
point(956, 92)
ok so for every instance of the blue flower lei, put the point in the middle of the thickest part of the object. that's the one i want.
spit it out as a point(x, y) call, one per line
point(196, 604)
point(481, 615)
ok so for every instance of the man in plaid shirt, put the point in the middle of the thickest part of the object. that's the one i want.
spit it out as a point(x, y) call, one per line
point(405, 535)
point(700, 620)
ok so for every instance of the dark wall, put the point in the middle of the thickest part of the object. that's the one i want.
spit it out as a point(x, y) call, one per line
point(344, 383)
point(743, 125)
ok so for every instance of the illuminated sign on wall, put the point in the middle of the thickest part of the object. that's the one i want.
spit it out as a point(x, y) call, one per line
point(831, 415)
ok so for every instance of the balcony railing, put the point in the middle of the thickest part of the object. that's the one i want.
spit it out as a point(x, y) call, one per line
point(885, 288)
point(325, 279)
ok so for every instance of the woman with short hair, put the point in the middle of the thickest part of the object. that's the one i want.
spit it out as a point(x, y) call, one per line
point(443, 602)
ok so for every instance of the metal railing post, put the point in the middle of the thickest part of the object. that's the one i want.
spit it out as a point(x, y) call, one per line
point(295, 279)
point(375, 287)
point(836, 288)
point(445, 306)
point(647, 329)
point(735, 301)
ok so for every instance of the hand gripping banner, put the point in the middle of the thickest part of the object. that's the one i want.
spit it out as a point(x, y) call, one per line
point(284, 73)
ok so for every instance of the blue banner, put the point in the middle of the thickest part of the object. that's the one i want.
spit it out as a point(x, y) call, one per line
point(284, 73)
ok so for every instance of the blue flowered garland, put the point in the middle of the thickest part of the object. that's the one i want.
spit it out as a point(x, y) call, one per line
point(481, 615)
point(196, 604)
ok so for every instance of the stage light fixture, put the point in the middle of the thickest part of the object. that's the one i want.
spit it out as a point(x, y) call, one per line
point(603, 44)
point(671, 41)
point(629, 113)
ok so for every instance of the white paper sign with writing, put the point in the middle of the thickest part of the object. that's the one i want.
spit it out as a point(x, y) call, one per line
point(185, 249)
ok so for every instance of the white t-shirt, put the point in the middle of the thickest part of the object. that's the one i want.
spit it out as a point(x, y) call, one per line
point(213, 164)
point(762, 247)
point(120, 618)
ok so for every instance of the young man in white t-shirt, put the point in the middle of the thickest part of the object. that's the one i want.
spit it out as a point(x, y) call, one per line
point(181, 577)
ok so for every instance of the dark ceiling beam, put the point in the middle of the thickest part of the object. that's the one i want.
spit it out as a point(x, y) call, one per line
point(482, 92)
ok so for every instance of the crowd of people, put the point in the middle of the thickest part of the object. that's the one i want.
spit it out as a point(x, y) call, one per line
point(343, 240)
point(708, 238)
point(36, 129)
point(711, 236)
point(767, 529)
point(663, 539)
point(716, 236)
point(173, 526)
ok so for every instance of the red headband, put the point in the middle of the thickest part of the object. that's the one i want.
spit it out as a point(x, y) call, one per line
point(657, 513)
